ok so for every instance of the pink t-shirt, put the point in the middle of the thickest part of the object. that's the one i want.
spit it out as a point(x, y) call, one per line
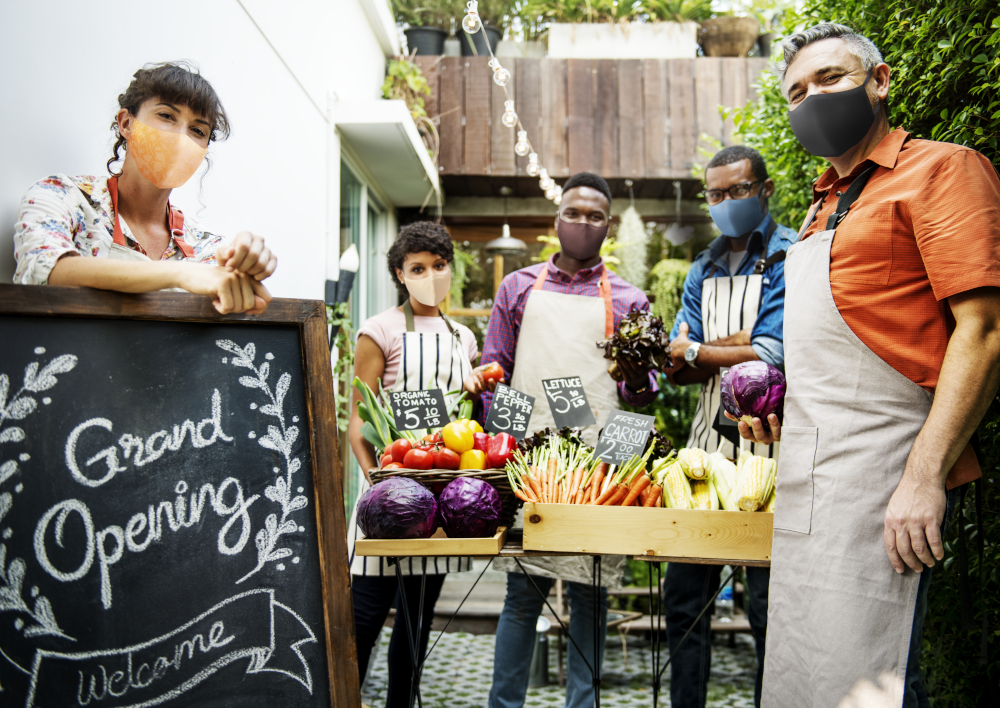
point(387, 329)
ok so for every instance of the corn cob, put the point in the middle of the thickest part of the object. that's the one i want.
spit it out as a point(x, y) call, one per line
point(703, 494)
point(694, 462)
point(723, 475)
point(676, 489)
point(756, 482)
point(769, 504)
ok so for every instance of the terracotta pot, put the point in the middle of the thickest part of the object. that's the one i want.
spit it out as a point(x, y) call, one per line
point(728, 36)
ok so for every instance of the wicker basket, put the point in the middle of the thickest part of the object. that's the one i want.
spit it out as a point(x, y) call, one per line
point(728, 36)
point(495, 478)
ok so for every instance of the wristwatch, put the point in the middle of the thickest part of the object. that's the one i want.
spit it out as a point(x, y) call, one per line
point(691, 354)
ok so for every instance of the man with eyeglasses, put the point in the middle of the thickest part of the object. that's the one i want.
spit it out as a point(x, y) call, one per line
point(731, 312)
point(892, 335)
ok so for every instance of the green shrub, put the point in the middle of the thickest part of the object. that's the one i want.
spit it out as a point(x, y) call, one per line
point(945, 61)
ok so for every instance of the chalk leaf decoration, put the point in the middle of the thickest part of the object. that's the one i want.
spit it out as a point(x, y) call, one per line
point(279, 438)
point(38, 618)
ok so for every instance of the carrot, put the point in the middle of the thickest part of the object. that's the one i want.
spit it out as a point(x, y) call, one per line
point(643, 495)
point(574, 486)
point(603, 498)
point(637, 486)
point(654, 495)
point(595, 484)
point(519, 493)
point(535, 488)
point(615, 499)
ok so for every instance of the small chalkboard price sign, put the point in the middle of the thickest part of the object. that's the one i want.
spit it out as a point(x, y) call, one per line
point(624, 434)
point(171, 515)
point(413, 410)
point(568, 402)
point(510, 412)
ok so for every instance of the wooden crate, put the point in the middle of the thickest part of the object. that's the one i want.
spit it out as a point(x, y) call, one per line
point(637, 531)
point(437, 545)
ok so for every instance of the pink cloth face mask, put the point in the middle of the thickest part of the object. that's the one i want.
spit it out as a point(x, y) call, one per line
point(580, 241)
point(166, 159)
point(430, 290)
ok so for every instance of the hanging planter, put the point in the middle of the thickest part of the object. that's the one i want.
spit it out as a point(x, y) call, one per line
point(728, 36)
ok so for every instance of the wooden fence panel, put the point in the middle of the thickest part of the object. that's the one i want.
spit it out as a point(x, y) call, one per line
point(554, 117)
point(755, 66)
point(734, 92)
point(654, 117)
point(708, 98)
point(631, 153)
point(682, 112)
point(606, 117)
point(580, 111)
point(527, 80)
point(502, 138)
point(450, 157)
point(478, 80)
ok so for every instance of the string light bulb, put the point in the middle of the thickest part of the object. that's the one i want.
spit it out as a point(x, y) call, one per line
point(471, 22)
point(532, 168)
point(550, 193)
point(501, 77)
point(509, 117)
point(544, 181)
point(521, 147)
point(558, 198)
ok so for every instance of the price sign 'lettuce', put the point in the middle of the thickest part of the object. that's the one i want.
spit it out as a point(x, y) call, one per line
point(753, 389)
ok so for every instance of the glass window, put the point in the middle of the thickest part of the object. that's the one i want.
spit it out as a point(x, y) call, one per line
point(350, 225)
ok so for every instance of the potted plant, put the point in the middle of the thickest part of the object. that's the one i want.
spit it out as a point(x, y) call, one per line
point(496, 16)
point(733, 30)
point(405, 81)
point(428, 23)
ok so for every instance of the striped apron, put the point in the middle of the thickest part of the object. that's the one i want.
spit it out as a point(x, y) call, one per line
point(430, 360)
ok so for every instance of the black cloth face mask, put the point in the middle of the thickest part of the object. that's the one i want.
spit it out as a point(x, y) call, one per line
point(830, 124)
point(580, 241)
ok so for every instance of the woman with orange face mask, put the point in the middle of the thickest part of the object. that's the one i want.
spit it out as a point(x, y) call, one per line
point(131, 238)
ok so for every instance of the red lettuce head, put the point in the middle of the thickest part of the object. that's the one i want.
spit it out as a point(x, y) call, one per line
point(397, 508)
point(753, 389)
point(469, 508)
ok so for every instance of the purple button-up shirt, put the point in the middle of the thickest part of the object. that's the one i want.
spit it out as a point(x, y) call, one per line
point(500, 342)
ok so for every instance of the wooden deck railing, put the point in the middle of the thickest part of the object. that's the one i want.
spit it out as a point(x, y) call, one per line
point(624, 119)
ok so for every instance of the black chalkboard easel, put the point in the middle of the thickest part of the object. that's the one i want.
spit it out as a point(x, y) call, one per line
point(172, 523)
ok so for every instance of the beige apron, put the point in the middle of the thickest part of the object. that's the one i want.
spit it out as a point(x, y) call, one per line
point(430, 360)
point(839, 616)
point(558, 337)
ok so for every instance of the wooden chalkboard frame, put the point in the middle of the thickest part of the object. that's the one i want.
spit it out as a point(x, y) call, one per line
point(310, 317)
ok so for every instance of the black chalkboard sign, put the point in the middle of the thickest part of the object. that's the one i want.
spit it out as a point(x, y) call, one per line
point(624, 435)
point(163, 474)
point(568, 402)
point(413, 410)
point(510, 412)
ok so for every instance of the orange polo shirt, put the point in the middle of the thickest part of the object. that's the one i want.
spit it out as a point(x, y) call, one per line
point(926, 227)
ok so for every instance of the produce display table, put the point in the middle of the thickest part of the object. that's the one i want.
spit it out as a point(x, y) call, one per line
point(512, 547)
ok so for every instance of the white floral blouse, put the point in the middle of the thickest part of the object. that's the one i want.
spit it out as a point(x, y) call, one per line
point(61, 214)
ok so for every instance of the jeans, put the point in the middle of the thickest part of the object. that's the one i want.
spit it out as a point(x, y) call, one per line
point(373, 596)
point(516, 640)
point(916, 695)
point(687, 589)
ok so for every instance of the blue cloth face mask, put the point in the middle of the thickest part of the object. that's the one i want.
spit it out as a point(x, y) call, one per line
point(735, 217)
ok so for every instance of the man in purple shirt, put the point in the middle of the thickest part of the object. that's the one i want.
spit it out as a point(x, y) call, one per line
point(546, 322)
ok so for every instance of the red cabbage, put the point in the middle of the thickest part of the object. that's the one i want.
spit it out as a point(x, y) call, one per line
point(469, 508)
point(397, 508)
point(753, 389)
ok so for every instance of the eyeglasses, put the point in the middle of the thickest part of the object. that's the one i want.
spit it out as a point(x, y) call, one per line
point(737, 191)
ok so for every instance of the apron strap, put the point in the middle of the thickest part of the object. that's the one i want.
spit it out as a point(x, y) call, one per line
point(844, 204)
point(603, 290)
point(762, 263)
point(408, 314)
point(175, 220)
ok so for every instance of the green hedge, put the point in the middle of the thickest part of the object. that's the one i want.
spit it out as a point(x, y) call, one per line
point(945, 60)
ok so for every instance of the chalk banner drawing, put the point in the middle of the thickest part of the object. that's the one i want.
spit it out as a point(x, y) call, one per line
point(158, 543)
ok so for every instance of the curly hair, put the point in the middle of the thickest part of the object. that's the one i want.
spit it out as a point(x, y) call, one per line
point(589, 179)
point(415, 238)
point(738, 153)
point(172, 82)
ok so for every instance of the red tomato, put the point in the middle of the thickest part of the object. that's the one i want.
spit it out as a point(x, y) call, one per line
point(393, 466)
point(445, 459)
point(418, 460)
point(427, 438)
point(493, 372)
point(386, 459)
point(399, 449)
point(436, 438)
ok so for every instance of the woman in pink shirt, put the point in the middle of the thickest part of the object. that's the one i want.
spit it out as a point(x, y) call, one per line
point(411, 347)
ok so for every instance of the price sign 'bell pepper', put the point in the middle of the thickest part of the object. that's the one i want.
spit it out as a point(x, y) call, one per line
point(500, 450)
point(458, 436)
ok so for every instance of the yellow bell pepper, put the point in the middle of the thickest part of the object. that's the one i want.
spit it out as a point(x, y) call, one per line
point(472, 460)
point(471, 424)
point(458, 436)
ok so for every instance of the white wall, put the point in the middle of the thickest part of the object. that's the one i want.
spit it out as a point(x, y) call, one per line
point(277, 66)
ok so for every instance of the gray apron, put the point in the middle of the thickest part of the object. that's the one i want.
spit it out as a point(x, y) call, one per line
point(558, 337)
point(839, 616)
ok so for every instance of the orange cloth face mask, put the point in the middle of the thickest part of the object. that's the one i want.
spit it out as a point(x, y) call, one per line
point(166, 159)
